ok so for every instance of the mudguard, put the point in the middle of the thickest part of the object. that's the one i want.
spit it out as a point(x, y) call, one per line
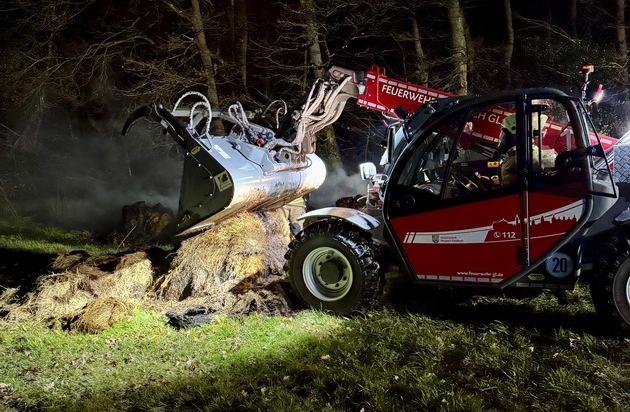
point(353, 216)
point(623, 219)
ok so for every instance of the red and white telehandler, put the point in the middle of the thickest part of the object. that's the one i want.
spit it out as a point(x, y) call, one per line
point(454, 209)
point(509, 190)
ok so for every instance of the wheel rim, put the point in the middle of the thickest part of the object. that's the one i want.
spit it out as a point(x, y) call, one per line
point(327, 274)
point(628, 291)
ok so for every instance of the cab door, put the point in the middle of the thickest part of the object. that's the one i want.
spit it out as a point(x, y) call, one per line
point(561, 179)
point(446, 208)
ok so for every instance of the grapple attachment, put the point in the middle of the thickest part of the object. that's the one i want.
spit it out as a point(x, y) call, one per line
point(261, 163)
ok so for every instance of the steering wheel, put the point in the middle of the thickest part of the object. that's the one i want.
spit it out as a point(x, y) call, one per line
point(464, 182)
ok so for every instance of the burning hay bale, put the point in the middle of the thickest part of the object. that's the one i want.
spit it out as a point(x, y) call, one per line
point(222, 265)
point(102, 313)
point(69, 261)
point(142, 224)
point(62, 295)
point(9, 301)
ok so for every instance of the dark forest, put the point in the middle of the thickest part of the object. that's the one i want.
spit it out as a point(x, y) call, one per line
point(72, 71)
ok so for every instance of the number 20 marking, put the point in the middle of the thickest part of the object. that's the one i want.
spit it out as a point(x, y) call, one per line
point(560, 265)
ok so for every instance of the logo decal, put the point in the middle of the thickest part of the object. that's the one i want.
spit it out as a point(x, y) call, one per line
point(195, 150)
point(552, 223)
point(223, 181)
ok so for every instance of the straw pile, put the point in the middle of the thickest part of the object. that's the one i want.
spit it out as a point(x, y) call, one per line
point(234, 267)
point(61, 298)
point(102, 313)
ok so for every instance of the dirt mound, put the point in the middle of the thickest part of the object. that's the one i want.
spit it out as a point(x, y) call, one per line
point(234, 267)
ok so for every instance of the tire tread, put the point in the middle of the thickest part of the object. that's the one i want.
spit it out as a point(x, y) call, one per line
point(360, 244)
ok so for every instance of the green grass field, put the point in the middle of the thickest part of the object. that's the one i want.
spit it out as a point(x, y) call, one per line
point(21, 234)
point(388, 360)
point(422, 351)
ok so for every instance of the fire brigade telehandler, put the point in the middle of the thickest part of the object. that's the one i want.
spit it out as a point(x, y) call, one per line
point(445, 211)
point(442, 208)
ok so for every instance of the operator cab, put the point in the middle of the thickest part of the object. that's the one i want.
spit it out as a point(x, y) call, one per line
point(457, 185)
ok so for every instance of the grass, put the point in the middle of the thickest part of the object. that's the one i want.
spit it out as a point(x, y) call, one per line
point(20, 234)
point(425, 350)
point(387, 360)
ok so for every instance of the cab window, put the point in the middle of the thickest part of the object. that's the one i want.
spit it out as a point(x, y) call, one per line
point(426, 166)
point(487, 142)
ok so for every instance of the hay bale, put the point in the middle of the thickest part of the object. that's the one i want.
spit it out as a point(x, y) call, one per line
point(133, 282)
point(8, 296)
point(211, 264)
point(66, 262)
point(277, 238)
point(204, 263)
point(142, 224)
point(133, 276)
point(8, 301)
point(101, 314)
point(59, 295)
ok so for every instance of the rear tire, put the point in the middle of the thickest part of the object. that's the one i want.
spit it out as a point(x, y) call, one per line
point(332, 267)
point(610, 287)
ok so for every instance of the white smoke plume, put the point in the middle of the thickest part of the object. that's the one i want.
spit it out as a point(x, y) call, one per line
point(78, 177)
point(338, 184)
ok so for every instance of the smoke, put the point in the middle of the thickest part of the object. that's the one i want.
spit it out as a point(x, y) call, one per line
point(338, 184)
point(78, 174)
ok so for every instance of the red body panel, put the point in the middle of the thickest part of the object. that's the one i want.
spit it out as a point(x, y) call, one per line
point(482, 241)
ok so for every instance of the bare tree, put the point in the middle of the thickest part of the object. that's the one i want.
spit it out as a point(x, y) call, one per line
point(194, 17)
point(237, 17)
point(458, 45)
point(327, 144)
point(422, 69)
point(622, 46)
point(470, 47)
point(508, 48)
point(312, 37)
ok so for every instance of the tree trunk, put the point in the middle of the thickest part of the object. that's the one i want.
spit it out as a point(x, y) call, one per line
point(327, 141)
point(266, 37)
point(230, 17)
point(312, 37)
point(423, 72)
point(241, 37)
point(622, 47)
point(206, 59)
point(458, 44)
point(470, 47)
point(573, 18)
point(508, 49)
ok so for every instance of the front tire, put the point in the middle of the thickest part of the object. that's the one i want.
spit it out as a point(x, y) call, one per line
point(332, 267)
point(610, 287)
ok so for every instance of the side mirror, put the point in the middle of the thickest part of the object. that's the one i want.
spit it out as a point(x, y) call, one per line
point(367, 170)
